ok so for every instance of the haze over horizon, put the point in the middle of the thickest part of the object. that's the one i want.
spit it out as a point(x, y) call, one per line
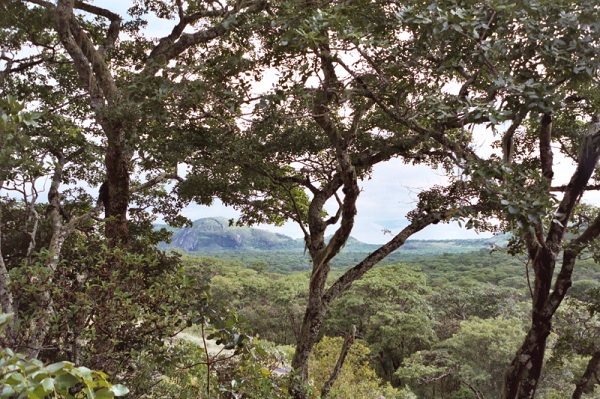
point(385, 200)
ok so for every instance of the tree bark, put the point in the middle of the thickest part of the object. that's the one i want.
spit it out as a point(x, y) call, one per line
point(523, 374)
point(590, 372)
point(340, 362)
point(311, 325)
point(6, 299)
point(117, 161)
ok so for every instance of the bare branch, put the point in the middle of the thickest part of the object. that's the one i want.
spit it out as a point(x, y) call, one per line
point(340, 362)
point(157, 180)
point(34, 218)
point(334, 219)
point(180, 11)
point(592, 187)
point(508, 147)
point(93, 9)
point(419, 223)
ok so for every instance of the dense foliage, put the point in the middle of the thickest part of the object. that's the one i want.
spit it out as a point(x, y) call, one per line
point(104, 128)
point(439, 327)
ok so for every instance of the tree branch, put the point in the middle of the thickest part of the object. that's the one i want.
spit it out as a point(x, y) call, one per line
point(546, 157)
point(590, 371)
point(161, 177)
point(64, 17)
point(589, 155)
point(340, 362)
point(345, 281)
point(177, 41)
point(565, 188)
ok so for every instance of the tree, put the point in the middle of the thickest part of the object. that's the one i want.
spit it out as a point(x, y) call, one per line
point(127, 82)
point(357, 379)
point(454, 303)
point(110, 99)
point(475, 356)
point(362, 82)
point(389, 309)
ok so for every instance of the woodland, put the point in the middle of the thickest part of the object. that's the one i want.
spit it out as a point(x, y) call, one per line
point(107, 126)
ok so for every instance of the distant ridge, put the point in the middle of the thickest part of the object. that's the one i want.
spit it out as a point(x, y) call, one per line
point(215, 235)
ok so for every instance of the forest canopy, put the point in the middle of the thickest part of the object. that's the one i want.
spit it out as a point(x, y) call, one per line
point(109, 117)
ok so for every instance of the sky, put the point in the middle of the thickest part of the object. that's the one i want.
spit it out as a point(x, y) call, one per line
point(385, 198)
point(383, 203)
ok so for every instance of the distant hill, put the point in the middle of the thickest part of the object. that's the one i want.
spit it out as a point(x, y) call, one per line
point(215, 235)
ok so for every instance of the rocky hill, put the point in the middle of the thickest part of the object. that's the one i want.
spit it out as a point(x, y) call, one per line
point(214, 235)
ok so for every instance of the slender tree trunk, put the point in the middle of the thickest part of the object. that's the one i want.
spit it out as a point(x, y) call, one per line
point(6, 299)
point(590, 371)
point(340, 362)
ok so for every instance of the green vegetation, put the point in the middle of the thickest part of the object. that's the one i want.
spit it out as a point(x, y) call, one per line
point(442, 326)
point(280, 110)
point(21, 377)
point(214, 237)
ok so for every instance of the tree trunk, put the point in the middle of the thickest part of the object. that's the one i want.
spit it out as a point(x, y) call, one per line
point(340, 362)
point(523, 374)
point(6, 299)
point(590, 371)
point(311, 325)
point(117, 190)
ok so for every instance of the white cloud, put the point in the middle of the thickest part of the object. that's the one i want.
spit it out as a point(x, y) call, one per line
point(385, 200)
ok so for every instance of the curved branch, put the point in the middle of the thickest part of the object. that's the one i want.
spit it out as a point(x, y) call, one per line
point(589, 155)
point(356, 272)
point(157, 180)
point(89, 63)
point(177, 41)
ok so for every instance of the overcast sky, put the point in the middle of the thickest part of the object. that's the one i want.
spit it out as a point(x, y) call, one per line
point(383, 204)
point(385, 198)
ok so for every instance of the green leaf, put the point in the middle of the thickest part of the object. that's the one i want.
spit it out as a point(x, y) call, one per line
point(54, 367)
point(7, 391)
point(65, 381)
point(36, 393)
point(104, 393)
point(48, 384)
point(5, 318)
point(119, 390)
point(15, 378)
